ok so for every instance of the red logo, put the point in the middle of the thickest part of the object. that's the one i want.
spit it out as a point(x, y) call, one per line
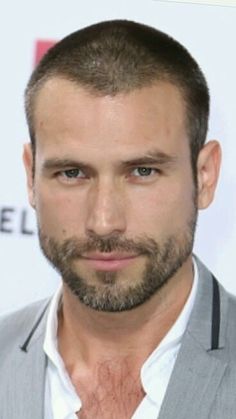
point(41, 47)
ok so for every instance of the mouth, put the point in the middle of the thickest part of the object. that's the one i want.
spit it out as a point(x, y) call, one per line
point(108, 261)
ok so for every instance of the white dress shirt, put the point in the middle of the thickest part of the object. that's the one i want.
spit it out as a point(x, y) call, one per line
point(61, 399)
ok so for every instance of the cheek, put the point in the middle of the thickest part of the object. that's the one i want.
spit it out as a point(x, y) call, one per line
point(58, 213)
point(165, 209)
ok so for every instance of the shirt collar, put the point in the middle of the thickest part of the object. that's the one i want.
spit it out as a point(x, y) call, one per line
point(59, 382)
point(157, 369)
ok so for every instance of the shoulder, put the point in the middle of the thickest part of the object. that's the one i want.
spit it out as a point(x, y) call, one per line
point(231, 317)
point(29, 309)
point(232, 300)
point(228, 307)
point(16, 325)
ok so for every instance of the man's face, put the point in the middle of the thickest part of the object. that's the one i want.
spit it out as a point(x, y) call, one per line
point(113, 190)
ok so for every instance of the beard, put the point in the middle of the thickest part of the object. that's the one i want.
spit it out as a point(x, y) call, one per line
point(117, 291)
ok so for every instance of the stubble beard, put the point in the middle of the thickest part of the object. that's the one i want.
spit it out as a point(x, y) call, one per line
point(107, 293)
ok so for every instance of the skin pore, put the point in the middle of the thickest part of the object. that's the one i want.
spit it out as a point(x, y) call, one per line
point(113, 174)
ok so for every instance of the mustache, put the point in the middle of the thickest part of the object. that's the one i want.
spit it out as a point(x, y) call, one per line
point(74, 247)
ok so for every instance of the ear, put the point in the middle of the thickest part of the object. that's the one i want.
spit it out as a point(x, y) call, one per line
point(29, 169)
point(208, 167)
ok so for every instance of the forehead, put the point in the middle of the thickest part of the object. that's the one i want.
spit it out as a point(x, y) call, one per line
point(68, 112)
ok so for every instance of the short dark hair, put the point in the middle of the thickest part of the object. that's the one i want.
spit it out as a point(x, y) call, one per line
point(119, 56)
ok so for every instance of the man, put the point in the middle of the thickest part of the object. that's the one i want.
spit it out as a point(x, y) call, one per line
point(117, 169)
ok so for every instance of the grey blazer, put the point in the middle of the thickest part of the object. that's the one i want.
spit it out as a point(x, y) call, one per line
point(203, 382)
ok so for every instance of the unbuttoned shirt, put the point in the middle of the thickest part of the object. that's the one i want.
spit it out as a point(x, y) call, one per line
point(63, 402)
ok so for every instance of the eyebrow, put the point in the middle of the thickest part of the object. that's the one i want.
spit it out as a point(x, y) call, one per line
point(155, 157)
point(62, 163)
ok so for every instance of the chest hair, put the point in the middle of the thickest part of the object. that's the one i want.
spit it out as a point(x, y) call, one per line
point(112, 391)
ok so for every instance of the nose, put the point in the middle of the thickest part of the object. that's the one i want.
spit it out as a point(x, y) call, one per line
point(106, 209)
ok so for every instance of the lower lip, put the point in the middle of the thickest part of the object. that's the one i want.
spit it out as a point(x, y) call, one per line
point(109, 264)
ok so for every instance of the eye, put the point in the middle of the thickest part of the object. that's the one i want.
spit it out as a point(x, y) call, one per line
point(144, 171)
point(73, 173)
point(71, 176)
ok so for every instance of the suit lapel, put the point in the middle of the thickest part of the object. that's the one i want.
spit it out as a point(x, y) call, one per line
point(193, 384)
point(25, 376)
point(198, 370)
point(26, 397)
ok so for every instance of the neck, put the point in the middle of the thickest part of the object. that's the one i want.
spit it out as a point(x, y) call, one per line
point(88, 337)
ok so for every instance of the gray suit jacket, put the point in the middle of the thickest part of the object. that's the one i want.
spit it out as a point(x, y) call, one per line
point(202, 385)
